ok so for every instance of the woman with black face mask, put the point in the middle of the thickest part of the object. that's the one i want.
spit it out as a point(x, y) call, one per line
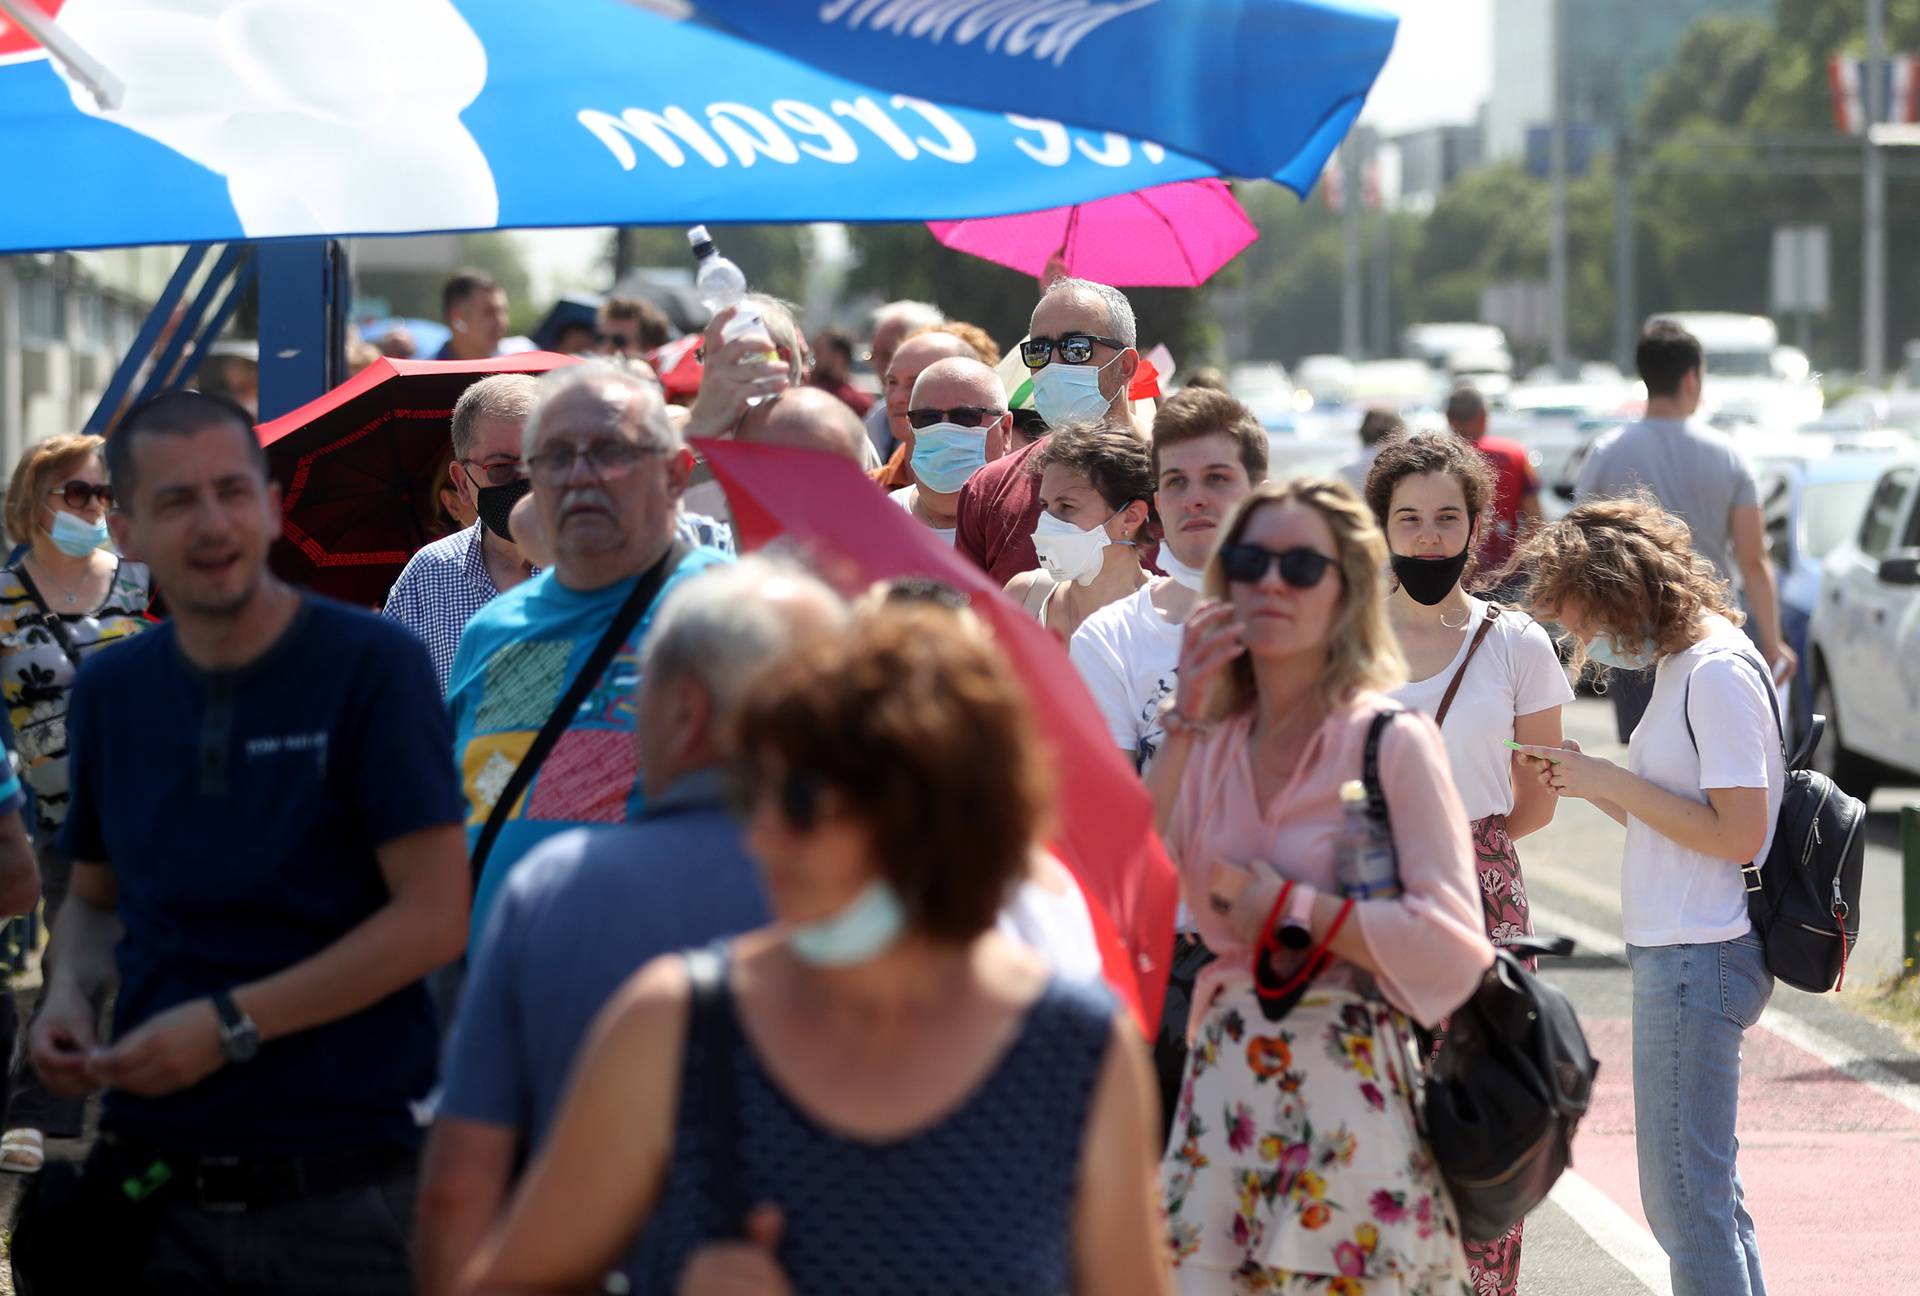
point(1486, 675)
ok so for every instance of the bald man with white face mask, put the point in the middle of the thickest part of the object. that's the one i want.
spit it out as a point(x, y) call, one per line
point(958, 418)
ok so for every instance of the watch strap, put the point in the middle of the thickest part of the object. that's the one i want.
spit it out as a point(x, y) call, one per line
point(231, 1018)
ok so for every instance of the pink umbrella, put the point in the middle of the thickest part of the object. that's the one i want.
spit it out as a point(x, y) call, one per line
point(1169, 236)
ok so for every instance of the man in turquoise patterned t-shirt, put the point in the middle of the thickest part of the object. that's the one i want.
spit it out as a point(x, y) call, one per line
point(608, 469)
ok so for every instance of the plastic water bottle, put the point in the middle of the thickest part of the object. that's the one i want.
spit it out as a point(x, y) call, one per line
point(720, 285)
point(1364, 864)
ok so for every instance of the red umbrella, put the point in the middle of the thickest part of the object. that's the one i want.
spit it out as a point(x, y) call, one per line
point(357, 467)
point(1169, 236)
point(855, 536)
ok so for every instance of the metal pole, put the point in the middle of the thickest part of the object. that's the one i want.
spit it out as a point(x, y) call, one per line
point(1382, 324)
point(1910, 886)
point(1873, 260)
point(13, 402)
point(1557, 156)
point(1350, 198)
point(1626, 329)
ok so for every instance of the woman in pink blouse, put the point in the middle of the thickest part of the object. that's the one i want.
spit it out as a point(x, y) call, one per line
point(1295, 1163)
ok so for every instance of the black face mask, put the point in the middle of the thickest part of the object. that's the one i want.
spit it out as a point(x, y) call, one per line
point(495, 505)
point(1429, 580)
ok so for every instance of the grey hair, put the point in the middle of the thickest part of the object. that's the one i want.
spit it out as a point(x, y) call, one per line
point(506, 396)
point(1119, 310)
point(602, 374)
point(910, 315)
point(720, 629)
point(782, 319)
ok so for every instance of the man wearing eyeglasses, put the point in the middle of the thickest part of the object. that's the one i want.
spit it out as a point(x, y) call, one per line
point(1081, 351)
point(959, 422)
point(607, 469)
point(911, 359)
point(444, 584)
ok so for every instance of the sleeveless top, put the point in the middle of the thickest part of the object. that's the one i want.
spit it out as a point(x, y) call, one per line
point(982, 1201)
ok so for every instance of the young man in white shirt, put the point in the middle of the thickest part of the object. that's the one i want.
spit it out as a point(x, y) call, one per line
point(1209, 452)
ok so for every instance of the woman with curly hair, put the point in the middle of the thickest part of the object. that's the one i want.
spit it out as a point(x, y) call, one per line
point(1296, 1164)
point(1623, 578)
point(1485, 674)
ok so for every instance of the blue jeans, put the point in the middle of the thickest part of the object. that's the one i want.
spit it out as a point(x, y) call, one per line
point(1691, 1005)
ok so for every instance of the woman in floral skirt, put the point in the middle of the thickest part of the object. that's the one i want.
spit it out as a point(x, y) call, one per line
point(1486, 676)
point(1296, 1164)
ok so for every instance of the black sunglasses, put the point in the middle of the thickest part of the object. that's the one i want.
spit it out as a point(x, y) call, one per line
point(970, 416)
point(77, 493)
point(1028, 423)
point(799, 796)
point(1074, 348)
point(1246, 564)
point(618, 341)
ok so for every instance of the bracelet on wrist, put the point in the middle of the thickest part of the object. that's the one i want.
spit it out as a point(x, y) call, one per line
point(1176, 722)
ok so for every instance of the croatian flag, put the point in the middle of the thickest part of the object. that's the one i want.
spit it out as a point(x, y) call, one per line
point(1900, 89)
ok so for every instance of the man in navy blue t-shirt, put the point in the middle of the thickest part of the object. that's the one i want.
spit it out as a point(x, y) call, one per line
point(266, 842)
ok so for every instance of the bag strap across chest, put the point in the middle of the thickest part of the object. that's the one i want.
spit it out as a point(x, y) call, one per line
point(1479, 637)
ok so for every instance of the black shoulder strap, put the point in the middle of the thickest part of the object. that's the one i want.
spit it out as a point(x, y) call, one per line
point(709, 1030)
point(1370, 770)
point(1773, 700)
point(624, 619)
point(50, 619)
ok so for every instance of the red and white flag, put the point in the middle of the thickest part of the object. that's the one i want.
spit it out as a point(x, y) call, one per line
point(1900, 86)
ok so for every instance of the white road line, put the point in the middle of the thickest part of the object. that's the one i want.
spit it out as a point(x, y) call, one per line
point(1618, 1233)
point(1842, 1056)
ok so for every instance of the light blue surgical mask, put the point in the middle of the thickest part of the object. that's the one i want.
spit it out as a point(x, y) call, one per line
point(1064, 392)
point(74, 536)
point(865, 928)
point(1602, 652)
point(946, 454)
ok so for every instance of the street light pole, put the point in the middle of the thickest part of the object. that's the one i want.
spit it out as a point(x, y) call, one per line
point(1557, 160)
point(1873, 260)
point(1350, 185)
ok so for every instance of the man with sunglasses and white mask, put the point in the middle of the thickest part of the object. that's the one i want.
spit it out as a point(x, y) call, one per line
point(1080, 350)
point(959, 420)
point(607, 469)
point(445, 583)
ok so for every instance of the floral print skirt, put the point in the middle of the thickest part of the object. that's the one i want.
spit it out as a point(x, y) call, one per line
point(1495, 1266)
point(1295, 1164)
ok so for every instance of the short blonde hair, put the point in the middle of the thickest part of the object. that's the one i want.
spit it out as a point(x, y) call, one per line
point(43, 462)
point(1362, 652)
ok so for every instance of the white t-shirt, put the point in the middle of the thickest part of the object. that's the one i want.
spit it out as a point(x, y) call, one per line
point(906, 497)
point(1670, 895)
point(1056, 925)
point(1129, 653)
point(1515, 673)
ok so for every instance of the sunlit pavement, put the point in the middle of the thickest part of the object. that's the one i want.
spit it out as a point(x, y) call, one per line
point(1830, 1103)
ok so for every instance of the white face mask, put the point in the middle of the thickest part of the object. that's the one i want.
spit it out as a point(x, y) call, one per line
point(1181, 574)
point(1064, 392)
point(1067, 552)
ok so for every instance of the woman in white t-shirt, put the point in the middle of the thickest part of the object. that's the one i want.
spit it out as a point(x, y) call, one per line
point(1486, 675)
point(1623, 578)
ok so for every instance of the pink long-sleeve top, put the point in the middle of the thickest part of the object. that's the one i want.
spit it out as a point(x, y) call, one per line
point(1429, 942)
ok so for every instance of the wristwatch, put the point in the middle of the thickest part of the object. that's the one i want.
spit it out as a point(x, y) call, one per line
point(1296, 925)
point(239, 1037)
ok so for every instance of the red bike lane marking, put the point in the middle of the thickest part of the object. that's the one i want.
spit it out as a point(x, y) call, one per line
point(1830, 1166)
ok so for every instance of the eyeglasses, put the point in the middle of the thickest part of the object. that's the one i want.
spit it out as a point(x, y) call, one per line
point(1028, 423)
point(1247, 564)
point(606, 459)
point(497, 472)
point(799, 795)
point(1074, 348)
point(618, 341)
point(76, 494)
point(969, 416)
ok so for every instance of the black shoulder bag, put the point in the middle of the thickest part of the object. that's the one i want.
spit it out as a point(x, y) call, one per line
point(1508, 1087)
point(625, 618)
point(50, 621)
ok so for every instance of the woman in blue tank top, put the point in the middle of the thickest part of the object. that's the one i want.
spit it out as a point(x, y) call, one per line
point(879, 1093)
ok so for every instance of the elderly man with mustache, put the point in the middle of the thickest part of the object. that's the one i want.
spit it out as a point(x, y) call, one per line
point(608, 470)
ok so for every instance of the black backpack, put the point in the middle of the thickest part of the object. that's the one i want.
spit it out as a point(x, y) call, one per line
point(1507, 1089)
point(1804, 898)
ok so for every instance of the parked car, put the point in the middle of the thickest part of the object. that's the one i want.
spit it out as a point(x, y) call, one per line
point(1811, 506)
point(1865, 664)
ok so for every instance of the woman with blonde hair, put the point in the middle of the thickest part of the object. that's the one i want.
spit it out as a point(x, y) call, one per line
point(66, 598)
point(1296, 1162)
point(1623, 579)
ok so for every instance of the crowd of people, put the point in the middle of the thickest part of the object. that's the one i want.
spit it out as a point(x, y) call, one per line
point(611, 911)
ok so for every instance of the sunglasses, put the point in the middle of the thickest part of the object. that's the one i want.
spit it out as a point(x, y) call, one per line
point(799, 796)
point(1074, 349)
point(968, 416)
point(497, 472)
point(1247, 564)
point(618, 341)
point(1028, 423)
point(77, 493)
